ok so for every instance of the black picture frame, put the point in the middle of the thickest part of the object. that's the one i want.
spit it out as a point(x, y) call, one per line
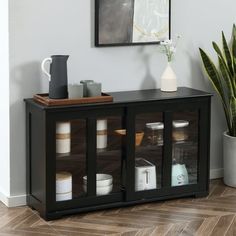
point(98, 28)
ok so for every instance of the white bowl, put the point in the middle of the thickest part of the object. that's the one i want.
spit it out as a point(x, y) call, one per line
point(102, 180)
point(101, 190)
point(63, 196)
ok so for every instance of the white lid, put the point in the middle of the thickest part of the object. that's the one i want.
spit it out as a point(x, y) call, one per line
point(102, 124)
point(63, 127)
point(180, 123)
point(155, 125)
point(63, 175)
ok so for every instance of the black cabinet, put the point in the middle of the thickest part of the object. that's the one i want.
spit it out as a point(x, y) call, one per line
point(144, 146)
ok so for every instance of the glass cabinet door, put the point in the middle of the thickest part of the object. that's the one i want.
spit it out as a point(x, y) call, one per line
point(71, 168)
point(185, 148)
point(80, 162)
point(148, 151)
point(163, 158)
point(110, 136)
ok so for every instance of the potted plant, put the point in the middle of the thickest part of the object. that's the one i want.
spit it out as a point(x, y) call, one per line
point(223, 78)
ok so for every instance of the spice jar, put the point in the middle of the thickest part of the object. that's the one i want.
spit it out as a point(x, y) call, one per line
point(155, 133)
point(180, 130)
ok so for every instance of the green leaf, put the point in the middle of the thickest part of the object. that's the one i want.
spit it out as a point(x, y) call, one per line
point(215, 79)
point(217, 49)
point(227, 78)
point(227, 54)
point(212, 73)
point(234, 53)
point(234, 31)
point(220, 54)
point(233, 116)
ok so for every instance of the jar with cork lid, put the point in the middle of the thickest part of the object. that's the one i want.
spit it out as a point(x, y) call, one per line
point(180, 130)
point(155, 133)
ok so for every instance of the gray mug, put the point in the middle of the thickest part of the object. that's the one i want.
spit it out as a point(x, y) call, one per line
point(75, 91)
point(85, 83)
point(94, 89)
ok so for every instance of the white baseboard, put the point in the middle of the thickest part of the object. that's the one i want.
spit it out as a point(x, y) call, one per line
point(13, 201)
point(20, 200)
point(216, 173)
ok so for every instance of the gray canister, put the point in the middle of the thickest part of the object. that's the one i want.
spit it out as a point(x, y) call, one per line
point(85, 82)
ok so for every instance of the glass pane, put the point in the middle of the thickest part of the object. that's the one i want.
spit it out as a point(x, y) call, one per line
point(148, 151)
point(70, 159)
point(185, 148)
point(110, 135)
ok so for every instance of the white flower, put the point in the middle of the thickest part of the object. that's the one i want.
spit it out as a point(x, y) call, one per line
point(168, 47)
point(172, 49)
point(166, 42)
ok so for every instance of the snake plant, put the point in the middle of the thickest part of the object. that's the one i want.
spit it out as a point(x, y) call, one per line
point(223, 77)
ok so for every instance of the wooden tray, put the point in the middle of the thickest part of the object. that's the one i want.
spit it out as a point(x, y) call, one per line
point(45, 100)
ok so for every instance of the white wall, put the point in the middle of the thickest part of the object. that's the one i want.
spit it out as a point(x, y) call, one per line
point(4, 104)
point(40, 28)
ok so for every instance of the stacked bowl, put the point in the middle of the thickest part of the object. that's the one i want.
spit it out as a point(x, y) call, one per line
point(63, 186)
point(104, 184)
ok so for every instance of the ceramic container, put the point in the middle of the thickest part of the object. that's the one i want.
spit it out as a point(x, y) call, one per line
point(85, 83)
point(103, 184)
point(57, 75)
point(101, 134)
point(63, 182)
point(94, 89)
point(168, 80)
point(63, 196)
point(229, 157)
point(75, 91)
point(63, 140)
point(101, 190)
point(102, 180)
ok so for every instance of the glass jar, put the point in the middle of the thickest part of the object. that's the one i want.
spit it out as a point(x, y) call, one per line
point(180, 130)
point(155, 133)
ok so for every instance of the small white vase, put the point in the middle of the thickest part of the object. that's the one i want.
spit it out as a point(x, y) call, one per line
point(168, 80)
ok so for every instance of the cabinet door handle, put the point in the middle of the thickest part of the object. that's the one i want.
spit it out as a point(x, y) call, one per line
point(147, 172)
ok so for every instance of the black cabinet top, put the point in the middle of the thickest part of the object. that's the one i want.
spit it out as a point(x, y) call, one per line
point(138, 96)
point(156, 94)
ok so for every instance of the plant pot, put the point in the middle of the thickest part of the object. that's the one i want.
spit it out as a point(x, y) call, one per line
point(168, 80)
point(229, 155)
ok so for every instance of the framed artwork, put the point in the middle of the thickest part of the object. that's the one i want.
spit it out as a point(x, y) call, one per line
point(131, 22)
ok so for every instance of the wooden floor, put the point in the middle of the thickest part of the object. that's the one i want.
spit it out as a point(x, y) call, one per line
point(214, 215)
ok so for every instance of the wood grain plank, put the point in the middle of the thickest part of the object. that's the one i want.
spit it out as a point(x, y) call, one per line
point(176, 230)
point(232, 228)
point(222, 225)
point(192, 228)
point(215, 215)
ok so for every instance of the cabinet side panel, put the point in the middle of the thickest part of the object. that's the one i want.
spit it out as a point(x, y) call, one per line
point(37, 160)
